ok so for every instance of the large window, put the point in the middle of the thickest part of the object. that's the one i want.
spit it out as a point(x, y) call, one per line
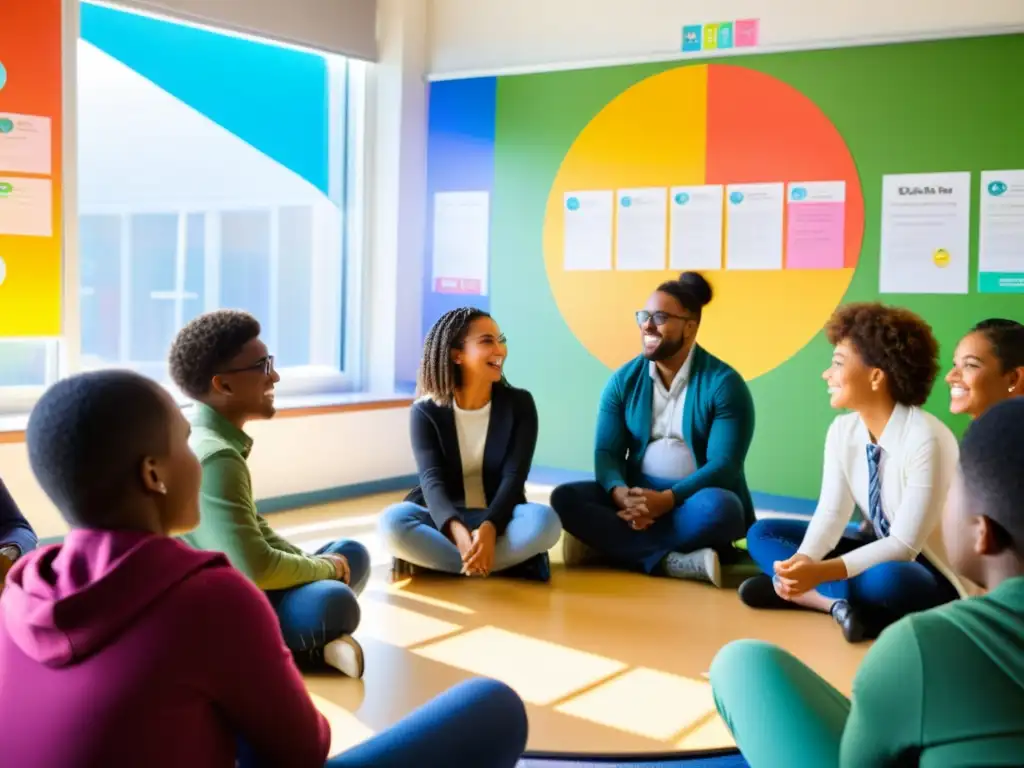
point(214, 171)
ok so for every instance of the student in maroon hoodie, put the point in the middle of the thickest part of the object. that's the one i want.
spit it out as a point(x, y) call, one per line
point(124, 647)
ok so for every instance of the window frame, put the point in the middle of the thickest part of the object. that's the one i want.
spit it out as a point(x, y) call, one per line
point(347, 148)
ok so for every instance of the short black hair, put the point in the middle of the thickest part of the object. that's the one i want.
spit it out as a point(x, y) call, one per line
point(893, 339)
point(691, 290)
point(87, 437)
point(991, 458)
point(1007, 340)
point(206, 345)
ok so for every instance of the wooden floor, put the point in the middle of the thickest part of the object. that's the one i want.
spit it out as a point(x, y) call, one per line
point(606, 661)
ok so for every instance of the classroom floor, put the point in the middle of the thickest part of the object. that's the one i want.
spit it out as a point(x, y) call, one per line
point(607, 662)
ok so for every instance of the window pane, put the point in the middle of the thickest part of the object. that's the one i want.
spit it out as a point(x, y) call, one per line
point(99, 249)
point(23, 363)
point(212, 174)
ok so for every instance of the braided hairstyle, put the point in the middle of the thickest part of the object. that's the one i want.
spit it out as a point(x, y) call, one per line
point(439, 376)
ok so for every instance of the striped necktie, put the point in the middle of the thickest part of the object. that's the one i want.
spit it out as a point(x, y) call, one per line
point(878, 518)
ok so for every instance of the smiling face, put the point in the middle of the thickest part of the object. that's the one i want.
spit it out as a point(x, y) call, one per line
point(977, 380)
point(481, 356)
point(851, 382)
point(666, 326)
point(248, 382)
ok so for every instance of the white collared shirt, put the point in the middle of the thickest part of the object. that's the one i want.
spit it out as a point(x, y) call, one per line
point(668, 457)
point(918, 463)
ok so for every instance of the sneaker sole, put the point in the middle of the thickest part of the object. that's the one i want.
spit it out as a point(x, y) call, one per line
point(345, 655)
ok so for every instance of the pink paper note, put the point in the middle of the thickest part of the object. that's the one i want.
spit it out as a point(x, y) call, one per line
point(814, 235)
point(745, 32)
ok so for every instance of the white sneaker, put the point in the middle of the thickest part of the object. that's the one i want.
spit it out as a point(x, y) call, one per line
point(702, 565)
point(345, 655)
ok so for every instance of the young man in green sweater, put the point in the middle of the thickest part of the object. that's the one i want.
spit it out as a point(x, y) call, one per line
point(944, 687)
point(219, 361)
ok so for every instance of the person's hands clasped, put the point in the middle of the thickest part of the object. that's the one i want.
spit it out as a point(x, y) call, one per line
point(640, 507)
point(480, 559)
point(342, 570)
point(796, 576)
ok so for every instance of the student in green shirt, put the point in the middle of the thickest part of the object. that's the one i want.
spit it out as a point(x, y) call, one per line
point(943, 687)
point(219, 361)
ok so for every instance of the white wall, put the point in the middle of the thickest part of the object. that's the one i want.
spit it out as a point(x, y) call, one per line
point(490, 35)
point(290, 456)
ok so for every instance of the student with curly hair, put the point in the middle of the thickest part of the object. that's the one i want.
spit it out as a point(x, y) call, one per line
point(889, 458)
point(988, 367)
point(219, 361)
point(943, 687)
point(674, 426)
point(473, 435)
point(122, 646)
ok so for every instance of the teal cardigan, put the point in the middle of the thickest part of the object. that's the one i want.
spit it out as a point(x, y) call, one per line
point(718, 425)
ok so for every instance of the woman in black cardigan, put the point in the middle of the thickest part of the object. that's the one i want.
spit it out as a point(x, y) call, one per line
point(473, 436)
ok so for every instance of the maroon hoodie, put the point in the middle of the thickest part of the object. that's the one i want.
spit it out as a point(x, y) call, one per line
point(128, 649)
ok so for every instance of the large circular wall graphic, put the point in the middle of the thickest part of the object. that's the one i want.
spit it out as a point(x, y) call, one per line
point(705, 125)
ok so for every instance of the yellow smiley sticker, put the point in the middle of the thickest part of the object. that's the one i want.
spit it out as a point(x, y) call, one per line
point(941, 258)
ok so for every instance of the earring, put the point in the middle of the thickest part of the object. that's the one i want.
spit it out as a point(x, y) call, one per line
point(161, 488)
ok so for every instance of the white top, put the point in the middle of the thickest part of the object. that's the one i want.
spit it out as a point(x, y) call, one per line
point(918, 463)
point(471, 428)
point(668, 457)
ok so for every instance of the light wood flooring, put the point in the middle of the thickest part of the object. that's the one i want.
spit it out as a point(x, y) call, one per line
point(607, 662)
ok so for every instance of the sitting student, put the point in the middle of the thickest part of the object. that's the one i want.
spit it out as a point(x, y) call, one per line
point(16, 536)
point(890, 458)
point(673, 431)
point(988, 367)
point(944, 687)
point(219, 360)
point(474, 436)
point(124, 647)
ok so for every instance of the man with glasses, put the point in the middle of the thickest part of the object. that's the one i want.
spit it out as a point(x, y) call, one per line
point(219, 361)
point(674, 426)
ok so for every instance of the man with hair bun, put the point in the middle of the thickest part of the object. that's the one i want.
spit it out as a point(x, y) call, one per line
point(674, 426)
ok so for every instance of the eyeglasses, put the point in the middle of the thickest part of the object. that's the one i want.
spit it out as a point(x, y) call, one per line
point(264, 365)
point(660, 318)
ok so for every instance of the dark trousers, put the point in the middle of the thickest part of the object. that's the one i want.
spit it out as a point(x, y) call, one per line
point(888, 591)
point(710, 518)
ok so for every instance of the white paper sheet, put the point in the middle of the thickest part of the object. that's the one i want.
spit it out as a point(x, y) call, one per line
point(25, 144)
point(1001, 232)
point(754, 226)
point(641, 229)
point(461, 242)
point(26, 207)
point(588, 230)
point(925, 233)
point(695, 240)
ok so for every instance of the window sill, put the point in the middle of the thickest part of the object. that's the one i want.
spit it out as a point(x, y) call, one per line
point(12, 428)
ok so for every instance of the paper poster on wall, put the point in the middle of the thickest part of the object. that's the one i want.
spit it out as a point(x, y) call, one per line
point(1001, 232)
point(588, 230)
point(641, 235)
point(815, 217)
point(461, 239)
point(26, 206)
point(925, 233)
point(753, 237)
point(25, 144)
point(695, 228)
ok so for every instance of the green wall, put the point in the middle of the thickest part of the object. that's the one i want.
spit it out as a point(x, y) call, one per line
point(942, 106)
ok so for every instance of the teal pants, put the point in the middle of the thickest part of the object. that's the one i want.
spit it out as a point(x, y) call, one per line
point(780, 712)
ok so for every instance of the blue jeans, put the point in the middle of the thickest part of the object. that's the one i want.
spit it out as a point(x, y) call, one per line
point(479, 723)
point(314, 614)
point(889, 590)
point(409, 534)
point(712, 517)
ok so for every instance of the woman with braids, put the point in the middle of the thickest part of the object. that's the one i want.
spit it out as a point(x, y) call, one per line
point(474, 436)
point(988, 367)
point(889, 458)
